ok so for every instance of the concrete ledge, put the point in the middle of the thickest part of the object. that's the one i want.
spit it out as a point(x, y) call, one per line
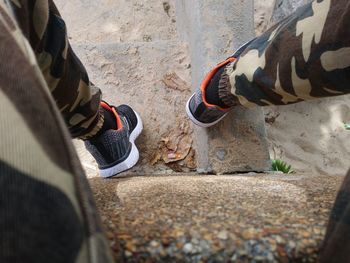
point(243, 218)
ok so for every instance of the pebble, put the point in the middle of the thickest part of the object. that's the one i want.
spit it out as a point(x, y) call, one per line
point(204, 245)
point(242, 252)
point(188, 248)
point(317, 231)
point(305, 234)
point(223, 235)
point(128, 254)
point(221, 154)
point(279, 240)
point(154, 243)
point(258, 249)
point(165, 241)
point(130, 246)
point(248, 234)
point(273, 244)
point(195, 241)
point(270, 256)
point(292, 244)
point(207, 236)
point(179, 245)
point(234, 258)
point(259, 258)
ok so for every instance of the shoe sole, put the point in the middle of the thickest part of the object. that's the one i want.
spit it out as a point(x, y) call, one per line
point(195, 121)
point(133, 157)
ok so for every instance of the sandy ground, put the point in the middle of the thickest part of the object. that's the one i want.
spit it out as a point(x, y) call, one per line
point(128, 48)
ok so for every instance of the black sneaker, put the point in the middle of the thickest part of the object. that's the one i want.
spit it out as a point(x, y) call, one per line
point(198, 109)
point(115, 150)
point(201, 112)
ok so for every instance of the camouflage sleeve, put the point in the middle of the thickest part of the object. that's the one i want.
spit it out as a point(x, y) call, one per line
point(305, 56)
point(337, 244)
point(47, 211)
point(76, 97)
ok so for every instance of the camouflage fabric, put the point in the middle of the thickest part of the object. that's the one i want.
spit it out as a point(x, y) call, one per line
point(76, 97)
point(304, 57)
point(337, 241)
point(46, 206)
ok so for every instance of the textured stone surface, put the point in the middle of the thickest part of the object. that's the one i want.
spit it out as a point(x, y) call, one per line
point(213, 31)
point(238, 143)
point(241, 218)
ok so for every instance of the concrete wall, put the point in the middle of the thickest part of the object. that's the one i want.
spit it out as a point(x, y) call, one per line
point(213, 31)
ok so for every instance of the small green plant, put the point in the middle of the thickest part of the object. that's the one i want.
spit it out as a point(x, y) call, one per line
point(281, 166)
point(347, 126)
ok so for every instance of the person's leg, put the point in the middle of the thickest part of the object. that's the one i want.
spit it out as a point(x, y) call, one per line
point(337, 244)
point(46, 207)
point(109, 132)
point(305, 56)
point(76, 97)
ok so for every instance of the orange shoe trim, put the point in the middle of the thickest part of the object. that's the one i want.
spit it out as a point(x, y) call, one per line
point(112, 109)
point(207, 79)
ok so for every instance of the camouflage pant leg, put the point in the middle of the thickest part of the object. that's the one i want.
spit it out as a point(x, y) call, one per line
point(77, 98)
point(337, 242)
point(305, 56)
point(47, 213)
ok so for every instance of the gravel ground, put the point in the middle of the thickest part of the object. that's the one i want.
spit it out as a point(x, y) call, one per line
point(240, 218)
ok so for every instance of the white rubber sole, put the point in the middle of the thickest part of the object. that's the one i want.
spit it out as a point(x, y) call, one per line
point(195, 121)
point(133, 157)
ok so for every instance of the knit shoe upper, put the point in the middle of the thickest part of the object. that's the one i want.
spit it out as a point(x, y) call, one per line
point(199, 110)
point(115, 150)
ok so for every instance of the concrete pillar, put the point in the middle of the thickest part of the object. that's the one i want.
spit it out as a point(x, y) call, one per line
point(213, 30)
